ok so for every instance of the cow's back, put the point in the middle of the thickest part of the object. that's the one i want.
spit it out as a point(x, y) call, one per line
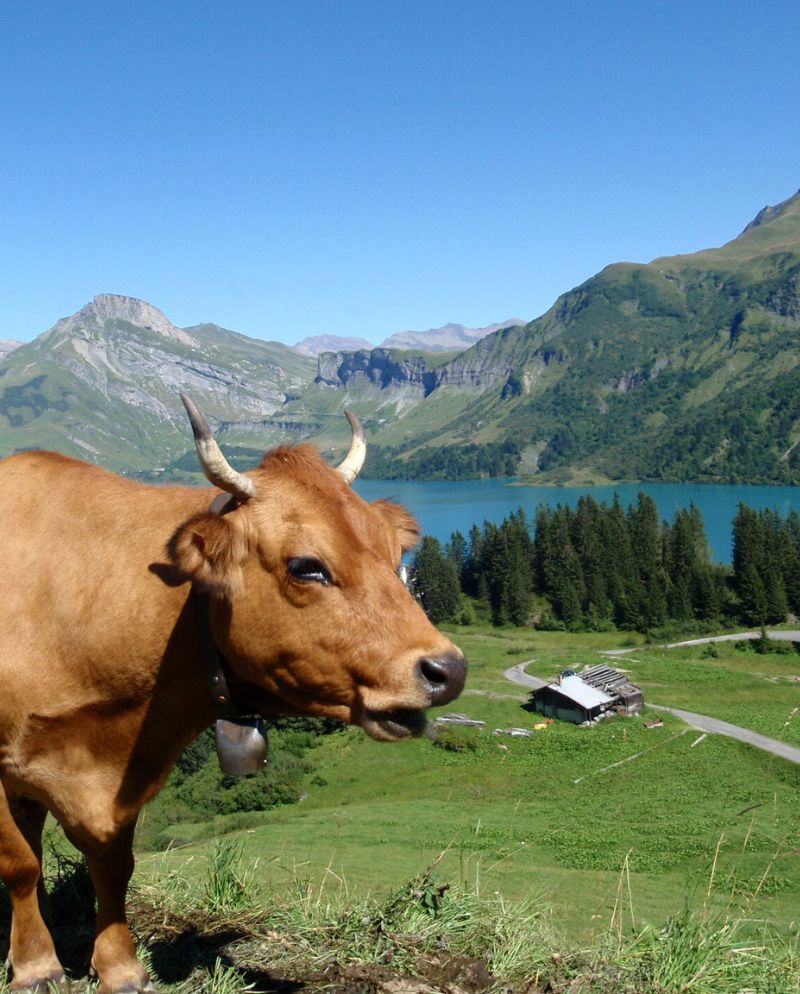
point(83, 598)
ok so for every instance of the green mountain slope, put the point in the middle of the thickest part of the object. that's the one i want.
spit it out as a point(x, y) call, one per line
point(103, 385)
point(685, 368)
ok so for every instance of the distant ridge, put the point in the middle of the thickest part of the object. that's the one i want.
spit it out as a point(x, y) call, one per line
point(448, 338)
point(317, 344)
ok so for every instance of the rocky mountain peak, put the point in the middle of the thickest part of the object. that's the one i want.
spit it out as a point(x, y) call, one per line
point(769, 213)
point(107, 307)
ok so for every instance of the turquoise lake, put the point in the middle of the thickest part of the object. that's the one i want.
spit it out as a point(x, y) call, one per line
point(442, 507)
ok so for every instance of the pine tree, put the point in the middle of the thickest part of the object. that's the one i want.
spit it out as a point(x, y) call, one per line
point(619, 566)
point(680, 560)
point(496, 567)
point(562, 573)
point(772, 566)
point(519, 572)
point(434, 581)
point(748, 563)
point(456, 552)
point(541, 542)
point(473, 564)
point(645, 539)
point(587, 537)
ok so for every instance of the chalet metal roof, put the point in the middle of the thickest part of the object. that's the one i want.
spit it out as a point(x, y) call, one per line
point(603, 677)
point(576, 690)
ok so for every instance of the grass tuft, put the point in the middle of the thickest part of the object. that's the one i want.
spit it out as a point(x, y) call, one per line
point(228, 885)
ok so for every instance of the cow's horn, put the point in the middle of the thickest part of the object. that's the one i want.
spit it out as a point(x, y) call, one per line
point(215, 466)
point(350, 467)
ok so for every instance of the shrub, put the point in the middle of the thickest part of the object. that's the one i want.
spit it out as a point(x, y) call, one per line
point(457, 738)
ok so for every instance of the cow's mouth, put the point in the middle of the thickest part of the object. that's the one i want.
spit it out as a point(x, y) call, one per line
point(388, 726)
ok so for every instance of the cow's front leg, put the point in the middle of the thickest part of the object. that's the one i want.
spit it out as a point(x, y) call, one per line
point(114, 957)
point(31, 953)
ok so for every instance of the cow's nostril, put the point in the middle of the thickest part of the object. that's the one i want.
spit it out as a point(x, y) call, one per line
point(444, 676)
point(433, 670)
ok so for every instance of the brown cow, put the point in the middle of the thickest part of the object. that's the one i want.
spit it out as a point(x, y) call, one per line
point(102, 673)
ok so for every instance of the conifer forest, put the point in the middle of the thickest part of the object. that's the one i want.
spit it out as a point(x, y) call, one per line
point(601, 566)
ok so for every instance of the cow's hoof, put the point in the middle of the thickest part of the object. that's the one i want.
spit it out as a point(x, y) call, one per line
point(139, 983)
point(47, 985)
point(131, 988)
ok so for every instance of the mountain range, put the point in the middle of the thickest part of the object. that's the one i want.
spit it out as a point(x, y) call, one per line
point(448, 338)
point(685, 368)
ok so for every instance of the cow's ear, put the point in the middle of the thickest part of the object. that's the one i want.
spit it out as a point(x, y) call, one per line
point(404, 523)
point(209, 550)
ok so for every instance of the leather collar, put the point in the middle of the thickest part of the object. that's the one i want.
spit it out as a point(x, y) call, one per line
point(212, 660)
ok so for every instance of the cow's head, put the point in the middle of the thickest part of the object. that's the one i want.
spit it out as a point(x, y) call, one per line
point(309, 611)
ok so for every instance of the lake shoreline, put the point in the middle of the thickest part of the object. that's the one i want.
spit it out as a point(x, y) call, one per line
point(445, 506)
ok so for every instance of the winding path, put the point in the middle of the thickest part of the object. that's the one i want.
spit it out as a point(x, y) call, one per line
point(516, 674)
point(706, 724)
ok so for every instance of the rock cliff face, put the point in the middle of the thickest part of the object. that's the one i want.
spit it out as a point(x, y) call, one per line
point(387, 369)
point(479, 368)
point(378, 368)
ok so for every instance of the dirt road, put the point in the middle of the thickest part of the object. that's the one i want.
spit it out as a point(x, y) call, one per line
point(516, 674)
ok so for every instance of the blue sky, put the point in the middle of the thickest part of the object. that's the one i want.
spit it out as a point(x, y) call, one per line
point(286, 169)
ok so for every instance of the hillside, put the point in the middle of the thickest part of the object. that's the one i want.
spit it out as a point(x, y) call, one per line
point(103, 385)
point(614, 836)
point(683, 368)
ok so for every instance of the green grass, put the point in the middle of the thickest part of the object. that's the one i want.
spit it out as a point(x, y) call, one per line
point(204, 929)
point(742, 687)
point(449, 933)
point(623, 858)
point(559, 814)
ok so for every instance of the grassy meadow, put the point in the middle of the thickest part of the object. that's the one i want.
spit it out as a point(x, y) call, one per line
point(618, 827)
point(560, 814)
point(611, 860)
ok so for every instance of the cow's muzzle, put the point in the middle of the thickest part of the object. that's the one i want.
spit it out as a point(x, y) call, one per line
point(443, 676)
point(442, 680)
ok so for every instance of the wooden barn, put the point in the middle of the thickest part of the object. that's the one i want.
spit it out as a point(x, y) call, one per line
point(586, 698)
point(628, 698)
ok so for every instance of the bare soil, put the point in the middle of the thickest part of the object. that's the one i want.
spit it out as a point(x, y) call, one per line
point(183, 950)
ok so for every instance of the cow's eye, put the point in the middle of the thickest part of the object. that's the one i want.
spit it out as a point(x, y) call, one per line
point(305, 569)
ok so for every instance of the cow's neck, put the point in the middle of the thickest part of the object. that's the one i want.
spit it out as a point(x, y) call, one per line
point(212, 660)
point(241, 739)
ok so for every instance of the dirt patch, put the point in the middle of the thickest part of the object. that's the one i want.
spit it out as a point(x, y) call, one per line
point(184, 950)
